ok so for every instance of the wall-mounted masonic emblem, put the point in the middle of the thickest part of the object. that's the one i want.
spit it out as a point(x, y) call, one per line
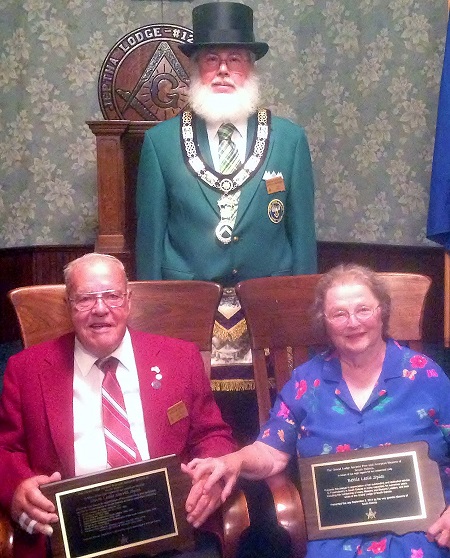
point(144, 76)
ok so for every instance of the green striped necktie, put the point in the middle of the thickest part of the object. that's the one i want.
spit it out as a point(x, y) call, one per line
point(228, 152)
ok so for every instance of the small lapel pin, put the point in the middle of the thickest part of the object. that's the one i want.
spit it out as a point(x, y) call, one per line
point(156, 384)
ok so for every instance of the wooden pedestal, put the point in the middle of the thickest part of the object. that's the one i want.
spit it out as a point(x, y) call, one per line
point(118, 148)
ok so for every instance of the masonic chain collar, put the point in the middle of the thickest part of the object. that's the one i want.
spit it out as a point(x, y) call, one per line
point(230, 184)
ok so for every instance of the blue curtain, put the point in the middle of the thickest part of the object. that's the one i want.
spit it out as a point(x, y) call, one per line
point(438, 225)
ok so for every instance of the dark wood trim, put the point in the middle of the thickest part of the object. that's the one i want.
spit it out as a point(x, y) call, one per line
point(35, 265)
point(44, 264)
point(412, 259)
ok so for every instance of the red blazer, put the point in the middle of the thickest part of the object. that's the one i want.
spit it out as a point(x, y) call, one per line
point(36, 413)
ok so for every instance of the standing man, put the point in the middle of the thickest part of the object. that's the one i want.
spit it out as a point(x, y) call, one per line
point(225, 190)
point(52, 408)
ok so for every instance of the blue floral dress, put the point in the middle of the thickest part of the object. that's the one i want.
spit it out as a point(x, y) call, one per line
point(315, 414)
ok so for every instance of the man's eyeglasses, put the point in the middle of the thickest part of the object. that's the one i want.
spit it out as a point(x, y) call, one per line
point(86, 301)
point(235, 62)
point(341, 318)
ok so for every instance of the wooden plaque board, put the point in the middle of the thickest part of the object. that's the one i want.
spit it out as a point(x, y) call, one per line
point(390, 488)
point(145, 75)
point(122, 512)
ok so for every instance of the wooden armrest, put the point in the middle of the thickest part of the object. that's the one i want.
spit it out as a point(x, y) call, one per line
point(289, 511)
point(6, 536)
point(234, 520)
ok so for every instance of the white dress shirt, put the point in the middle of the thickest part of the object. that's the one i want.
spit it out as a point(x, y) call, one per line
point(90, 447)
point(239, 137)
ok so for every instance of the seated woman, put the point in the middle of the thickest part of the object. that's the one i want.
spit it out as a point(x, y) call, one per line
point(365, 391)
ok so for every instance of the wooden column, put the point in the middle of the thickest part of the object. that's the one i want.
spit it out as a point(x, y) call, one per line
point(118, 149)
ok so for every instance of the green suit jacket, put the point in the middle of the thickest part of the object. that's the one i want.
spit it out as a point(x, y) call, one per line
point(177, 214)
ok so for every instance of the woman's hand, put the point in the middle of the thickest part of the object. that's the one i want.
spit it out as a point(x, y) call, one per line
point(439, 532)
point(213, 469)
point(31, 509)
point(213, 479)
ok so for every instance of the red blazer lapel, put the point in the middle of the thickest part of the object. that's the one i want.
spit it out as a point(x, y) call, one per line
point(56, 377)
point(153, 406)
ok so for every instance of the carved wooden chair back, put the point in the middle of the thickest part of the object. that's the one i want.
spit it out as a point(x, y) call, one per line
point(277, 310)
point(182, 309)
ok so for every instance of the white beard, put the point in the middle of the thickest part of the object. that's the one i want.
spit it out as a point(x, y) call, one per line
point(224, 107)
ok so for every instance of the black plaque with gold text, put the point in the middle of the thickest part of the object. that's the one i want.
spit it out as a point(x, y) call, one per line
point(122, 512)
point(390, 488)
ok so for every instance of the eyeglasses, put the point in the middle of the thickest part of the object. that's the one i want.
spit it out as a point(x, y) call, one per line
point(86, 301)
point(235, 62)
point(340, 318)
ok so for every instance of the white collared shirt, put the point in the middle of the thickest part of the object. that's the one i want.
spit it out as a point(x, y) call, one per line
point(239, 137)
point(90, 448)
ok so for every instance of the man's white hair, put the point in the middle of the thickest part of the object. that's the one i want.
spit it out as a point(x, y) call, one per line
point(90, 259)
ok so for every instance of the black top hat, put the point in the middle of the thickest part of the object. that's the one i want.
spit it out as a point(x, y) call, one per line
point(224, 24)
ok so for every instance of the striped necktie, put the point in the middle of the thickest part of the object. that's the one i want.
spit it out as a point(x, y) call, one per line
point(120, 447)
point(228, 152)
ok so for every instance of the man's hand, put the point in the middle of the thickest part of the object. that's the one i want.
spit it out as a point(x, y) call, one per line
point(200, 504)
point(31, 509)
point(439, 532)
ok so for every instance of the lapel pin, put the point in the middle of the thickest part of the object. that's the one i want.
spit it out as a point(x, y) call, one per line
point(156, 384)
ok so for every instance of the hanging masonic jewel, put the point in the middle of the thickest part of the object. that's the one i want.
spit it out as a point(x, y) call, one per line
point(144, 75)
point(228, 206)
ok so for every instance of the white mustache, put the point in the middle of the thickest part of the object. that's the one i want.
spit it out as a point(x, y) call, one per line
point(223, 82)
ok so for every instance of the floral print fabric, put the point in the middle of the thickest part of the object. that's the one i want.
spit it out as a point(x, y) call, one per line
point(315, 414)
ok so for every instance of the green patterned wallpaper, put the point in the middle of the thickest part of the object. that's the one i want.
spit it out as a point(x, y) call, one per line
point(362, 76)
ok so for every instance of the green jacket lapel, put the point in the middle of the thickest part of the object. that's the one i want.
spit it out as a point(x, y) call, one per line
point(251, 188)
point(205, 153)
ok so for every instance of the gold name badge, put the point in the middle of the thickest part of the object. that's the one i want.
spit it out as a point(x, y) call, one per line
point(177, 412)
point(275, 184)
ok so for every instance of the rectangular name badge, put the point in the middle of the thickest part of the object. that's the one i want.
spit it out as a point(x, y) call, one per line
point(393, 488)
point(275, 184)
point(177, 412)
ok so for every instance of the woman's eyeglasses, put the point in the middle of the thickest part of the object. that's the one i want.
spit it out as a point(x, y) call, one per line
point(341, 317)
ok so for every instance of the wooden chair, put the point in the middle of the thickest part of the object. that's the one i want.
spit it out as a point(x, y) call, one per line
point(277, 310)
point(6, 536)
point(181, 309)
point(163, 307)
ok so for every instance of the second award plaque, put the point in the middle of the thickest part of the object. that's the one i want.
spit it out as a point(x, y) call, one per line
point(390, 488)
point(122, 512)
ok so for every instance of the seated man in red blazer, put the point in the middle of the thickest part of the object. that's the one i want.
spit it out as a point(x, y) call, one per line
point(51, 424)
